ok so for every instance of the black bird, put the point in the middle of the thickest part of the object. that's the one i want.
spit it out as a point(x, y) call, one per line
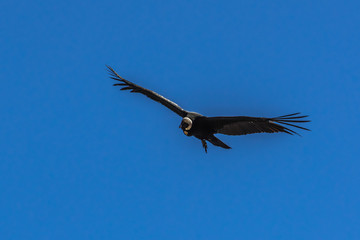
point(204, 128)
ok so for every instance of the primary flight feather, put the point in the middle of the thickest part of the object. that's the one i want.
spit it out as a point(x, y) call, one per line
point(204, 128)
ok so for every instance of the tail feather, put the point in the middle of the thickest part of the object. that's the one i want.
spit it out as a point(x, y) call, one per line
point(217, 142)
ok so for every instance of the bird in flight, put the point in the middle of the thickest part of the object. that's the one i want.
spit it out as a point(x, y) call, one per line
point(204, 128)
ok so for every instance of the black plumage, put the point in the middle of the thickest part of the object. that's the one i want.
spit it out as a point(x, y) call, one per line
point(204, 128)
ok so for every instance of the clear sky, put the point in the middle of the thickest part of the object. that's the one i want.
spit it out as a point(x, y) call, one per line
point(82, 160)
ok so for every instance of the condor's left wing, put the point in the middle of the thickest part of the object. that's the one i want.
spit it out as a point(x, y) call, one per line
point(248, 125)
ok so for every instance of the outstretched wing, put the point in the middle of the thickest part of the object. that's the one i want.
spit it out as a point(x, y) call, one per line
point(248, 125)
point(127, 85)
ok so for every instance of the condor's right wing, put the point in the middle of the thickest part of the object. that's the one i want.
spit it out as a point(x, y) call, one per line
point(127, 85)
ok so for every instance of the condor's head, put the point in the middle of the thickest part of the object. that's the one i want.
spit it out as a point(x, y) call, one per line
point(186, 125)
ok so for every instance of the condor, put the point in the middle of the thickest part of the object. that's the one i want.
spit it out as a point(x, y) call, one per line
point(204, 128)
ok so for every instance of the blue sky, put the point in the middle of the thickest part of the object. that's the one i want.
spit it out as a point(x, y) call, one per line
point(82, 160)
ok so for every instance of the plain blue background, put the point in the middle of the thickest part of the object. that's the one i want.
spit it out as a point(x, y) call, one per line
point(82, 160)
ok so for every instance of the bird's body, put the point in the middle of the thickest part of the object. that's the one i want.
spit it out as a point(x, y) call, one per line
point(204, 128)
